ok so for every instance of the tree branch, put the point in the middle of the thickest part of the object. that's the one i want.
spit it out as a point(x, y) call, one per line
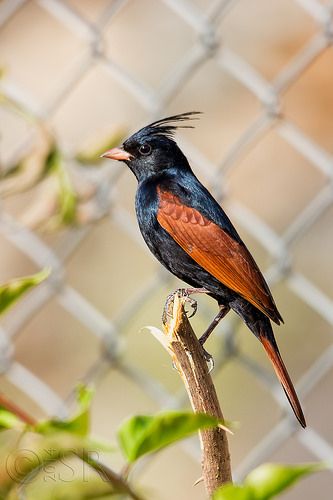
point(188, 357)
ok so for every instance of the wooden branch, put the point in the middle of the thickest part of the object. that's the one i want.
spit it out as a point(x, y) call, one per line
point(188, 357)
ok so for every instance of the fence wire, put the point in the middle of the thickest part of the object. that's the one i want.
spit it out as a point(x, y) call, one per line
point(205, 21)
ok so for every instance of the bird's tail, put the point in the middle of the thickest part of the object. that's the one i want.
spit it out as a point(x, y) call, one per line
point(274, 355)
point(261, 326)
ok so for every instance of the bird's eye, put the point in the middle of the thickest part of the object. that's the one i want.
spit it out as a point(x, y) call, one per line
point(145, 149)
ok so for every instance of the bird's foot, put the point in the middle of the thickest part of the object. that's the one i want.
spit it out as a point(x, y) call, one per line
point(193, 304)
point(208, 357)
point(209, 360)
point(182, 293)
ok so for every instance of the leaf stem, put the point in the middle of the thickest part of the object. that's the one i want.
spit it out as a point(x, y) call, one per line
point(109, 475)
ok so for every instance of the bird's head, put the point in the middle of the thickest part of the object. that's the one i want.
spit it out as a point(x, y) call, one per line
point(152, 149)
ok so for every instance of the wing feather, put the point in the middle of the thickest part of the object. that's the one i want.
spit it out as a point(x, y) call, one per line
point(216, 251)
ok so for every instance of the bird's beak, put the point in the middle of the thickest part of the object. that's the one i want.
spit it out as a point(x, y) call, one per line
point(117, 154)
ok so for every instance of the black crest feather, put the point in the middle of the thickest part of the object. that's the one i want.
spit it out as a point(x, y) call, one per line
point(167, 126)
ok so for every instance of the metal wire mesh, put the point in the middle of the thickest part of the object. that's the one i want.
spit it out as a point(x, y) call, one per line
point(288, 272)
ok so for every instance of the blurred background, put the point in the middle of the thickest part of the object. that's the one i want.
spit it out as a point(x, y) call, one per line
point(76, 78)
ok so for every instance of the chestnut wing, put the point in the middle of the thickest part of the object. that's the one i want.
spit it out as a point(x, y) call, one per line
point(216, 251)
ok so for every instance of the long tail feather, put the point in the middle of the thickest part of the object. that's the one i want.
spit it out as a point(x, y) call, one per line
point(281, 371)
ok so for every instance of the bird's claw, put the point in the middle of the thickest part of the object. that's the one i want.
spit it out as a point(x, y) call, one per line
point(167, 312)
point(182, 293)
point(186, 294)
point(209, 359)
point(193, 304)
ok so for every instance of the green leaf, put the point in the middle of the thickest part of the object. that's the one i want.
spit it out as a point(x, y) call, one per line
point(270, 479)
point(52, 160)
point(84, 395)
point(78, 425)
point(67, 198)
point(97, 444)
point(92, 156)
point(66, 194)
point(38, 464)
point(91, 487)
point(9, 421)
point(143, 434)
point(233, 492)
point(11, 291)
point(266, 482)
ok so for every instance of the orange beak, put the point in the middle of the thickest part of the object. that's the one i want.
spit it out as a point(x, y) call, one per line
point(117, 154)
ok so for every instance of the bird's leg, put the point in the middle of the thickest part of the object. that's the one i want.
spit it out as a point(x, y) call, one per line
point(220, 315)
point(183, 292)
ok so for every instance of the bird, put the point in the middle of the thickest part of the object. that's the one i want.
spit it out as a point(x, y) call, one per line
point(190, 234)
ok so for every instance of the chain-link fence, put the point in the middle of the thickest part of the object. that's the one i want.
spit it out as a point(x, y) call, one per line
point(75, 72)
